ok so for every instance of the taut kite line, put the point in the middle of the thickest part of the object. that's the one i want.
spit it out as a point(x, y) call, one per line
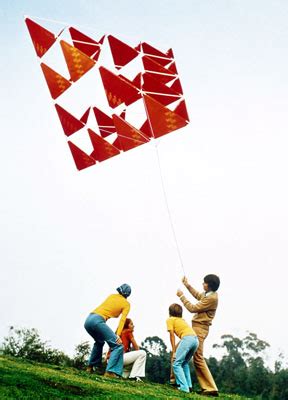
point(155, 87)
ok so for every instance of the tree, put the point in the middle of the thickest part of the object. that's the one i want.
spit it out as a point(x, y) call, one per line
point(158, 360)
point(154, 346)
point(82, 352)
point(26, 343)
point(242, 370)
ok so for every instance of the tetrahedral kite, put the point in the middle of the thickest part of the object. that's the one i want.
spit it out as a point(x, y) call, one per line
point(136, 108)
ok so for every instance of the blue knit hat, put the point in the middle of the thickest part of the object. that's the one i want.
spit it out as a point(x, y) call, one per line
point(124, 290)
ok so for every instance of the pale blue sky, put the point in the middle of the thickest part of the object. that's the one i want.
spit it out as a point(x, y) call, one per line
point(70, 238)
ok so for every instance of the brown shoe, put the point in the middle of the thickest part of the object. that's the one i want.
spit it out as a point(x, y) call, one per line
point(109, 374)
point(210, 393)
point(90, 369)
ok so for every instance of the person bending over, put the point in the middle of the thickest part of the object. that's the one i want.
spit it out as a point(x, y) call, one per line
point(95, 324)
point(176, 325)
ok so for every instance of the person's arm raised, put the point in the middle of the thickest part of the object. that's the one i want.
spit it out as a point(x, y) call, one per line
point(205, 304)
point(191, 290)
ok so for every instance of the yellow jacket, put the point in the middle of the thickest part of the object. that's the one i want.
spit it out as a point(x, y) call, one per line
point(112, 307)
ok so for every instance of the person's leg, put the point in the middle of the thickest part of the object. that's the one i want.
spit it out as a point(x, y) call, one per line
point(95, 358)
point(92, 327)
point(115, 362)
point(138, 360)
point(186, 368)
point(96, 326)
point(203, 374)
point(127, 365)
point(181, 352)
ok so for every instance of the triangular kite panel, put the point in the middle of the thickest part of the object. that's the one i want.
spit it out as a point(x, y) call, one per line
point(176, 86)
point(77, 62)
point(42, 39)
point(85, 116)
point(157, 55)
point(85, 43)
point(57, 84)
point(123, 114)
point(129, 137)
point(182, 110)
point(105, 123)
point(82, 160)
point(122, 53)
point(146, 129)
point(70, 124)
point(162, 119)
point(172, 67)
point(170, 53)
point(162, 74)
point(117, 144)
point(138, 47)
point(158, 90)
point(118, 90)
point(102, 149)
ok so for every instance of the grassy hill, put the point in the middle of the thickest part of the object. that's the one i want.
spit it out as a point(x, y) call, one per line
point(29, 380)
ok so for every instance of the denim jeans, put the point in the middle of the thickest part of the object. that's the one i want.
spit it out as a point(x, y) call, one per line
point(184, 353)
point(96, 326)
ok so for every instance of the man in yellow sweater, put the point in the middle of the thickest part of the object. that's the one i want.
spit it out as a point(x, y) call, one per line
point(96, 326)
point(205, 310)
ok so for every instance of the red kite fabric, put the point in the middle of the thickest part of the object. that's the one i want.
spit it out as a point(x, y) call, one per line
point(102, 148)
point(82, 160)
point(105, 123)
point(77, 62)
point(121, 52)
point(57, 84)
point(129, 137)
point(135, 97)
point(87, 45)
point(164, 75)
point(118, 90)
point(70, 124)
point(41, 37)
point(158, 90)
point(162, 119)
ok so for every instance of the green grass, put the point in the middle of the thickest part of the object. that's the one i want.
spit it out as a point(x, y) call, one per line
point(21, 379)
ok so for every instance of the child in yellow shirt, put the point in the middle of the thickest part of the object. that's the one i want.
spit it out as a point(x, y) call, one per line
point(188, 344)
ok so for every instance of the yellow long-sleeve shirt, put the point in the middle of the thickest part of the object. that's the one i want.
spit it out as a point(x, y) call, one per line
point(112, 307)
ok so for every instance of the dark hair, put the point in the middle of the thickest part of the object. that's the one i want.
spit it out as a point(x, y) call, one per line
point(127, 322)
point(175, 310)
point(212, 281)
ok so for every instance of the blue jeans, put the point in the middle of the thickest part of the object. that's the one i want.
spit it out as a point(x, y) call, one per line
point(96, 326)
point(184, 353)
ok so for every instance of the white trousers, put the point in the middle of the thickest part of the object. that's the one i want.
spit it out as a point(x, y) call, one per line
point(134, 364)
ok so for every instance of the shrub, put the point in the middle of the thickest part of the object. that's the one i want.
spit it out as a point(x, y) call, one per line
point(26, 343)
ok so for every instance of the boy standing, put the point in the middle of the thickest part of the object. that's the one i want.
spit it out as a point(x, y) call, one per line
point(176, 325)
point(205, 310)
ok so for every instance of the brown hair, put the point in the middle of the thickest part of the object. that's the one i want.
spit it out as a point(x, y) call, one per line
point(127, 322)
point(175, 310)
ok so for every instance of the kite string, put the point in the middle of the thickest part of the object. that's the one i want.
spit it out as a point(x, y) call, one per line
point(168, 209)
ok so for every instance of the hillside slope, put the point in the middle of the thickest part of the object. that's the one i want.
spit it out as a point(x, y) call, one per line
point(29, 380)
